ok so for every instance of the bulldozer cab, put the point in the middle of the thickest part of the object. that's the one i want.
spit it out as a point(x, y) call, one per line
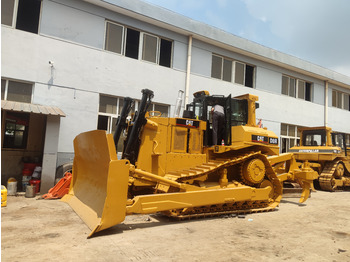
point(321, 137)
point(314, 137)
point(236, 113)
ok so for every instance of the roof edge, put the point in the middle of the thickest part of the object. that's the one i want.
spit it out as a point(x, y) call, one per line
point(168, 19)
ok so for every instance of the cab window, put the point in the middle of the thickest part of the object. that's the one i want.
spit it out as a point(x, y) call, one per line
point(239, 109)
point(338, 140)
point(314, 138)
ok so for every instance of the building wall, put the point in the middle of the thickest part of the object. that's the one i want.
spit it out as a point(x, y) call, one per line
point(91, 32)
point(71, 35)
point(79, 75)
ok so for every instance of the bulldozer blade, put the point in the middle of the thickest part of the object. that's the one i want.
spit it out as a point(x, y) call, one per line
point(98, 191)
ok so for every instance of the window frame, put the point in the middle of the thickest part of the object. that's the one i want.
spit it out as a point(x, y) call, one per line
point(118, 108)
point(221, 63)
point(142, 51)
point(233, 75)
point(288, 137)
point(340, 103)
point(26, 118)
point(234, 72)
point(347, 140)
point(14, 15)
point(346, 105)
point(109, 115)
point(171, 51)
point(115, 116)
point(244, 73)
point(126, 46)
point(122, 42)
point(20, 27)
point(140, 48)
point(296, 88)
point(18, 81)
point(158, 104)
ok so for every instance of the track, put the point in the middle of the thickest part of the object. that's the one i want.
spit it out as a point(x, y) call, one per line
point(202, 172)
point(327, 178)
point(246, 207)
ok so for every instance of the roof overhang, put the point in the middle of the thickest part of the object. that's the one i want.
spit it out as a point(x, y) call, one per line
point(31, 108)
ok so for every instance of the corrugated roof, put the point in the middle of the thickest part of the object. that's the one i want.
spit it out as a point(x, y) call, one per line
point(31, 108)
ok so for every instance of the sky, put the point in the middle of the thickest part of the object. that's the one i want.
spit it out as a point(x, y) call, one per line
point(314, 30)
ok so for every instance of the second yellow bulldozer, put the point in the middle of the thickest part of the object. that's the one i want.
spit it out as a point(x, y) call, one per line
point(327, 153)
point(171, 165)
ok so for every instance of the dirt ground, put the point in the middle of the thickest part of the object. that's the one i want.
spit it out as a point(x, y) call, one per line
point(41, 230)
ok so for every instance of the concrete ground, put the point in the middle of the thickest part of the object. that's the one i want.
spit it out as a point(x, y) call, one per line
point(49, 230)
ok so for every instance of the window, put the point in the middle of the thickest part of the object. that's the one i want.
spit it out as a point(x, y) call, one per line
point(244, 74)
point(291, 87)
point(138, 45)
point(249, 75)
point(16, 91)
point(239, 73)
point(110, 108)
point(216, 67)
point(108, 113)
point(314, 138)
point(338, 140)
point(285, 85)
point(132, 43)
point(347, 140)
point(16, 130)
point(239, 109)
point(163, 109)
point(296, 88)
point(340, 100)
point(24, 14)
point(290, 136)
point(301, 89)
point(7, 9)
point(149, 49)
point(3, 87)
point(347, 102)
point(308, 91)
point(165, 53)
point(227, 70)
point(108, 105)
point(221, 68)
point(28, 15)
point(114, 37)
point(156, 50)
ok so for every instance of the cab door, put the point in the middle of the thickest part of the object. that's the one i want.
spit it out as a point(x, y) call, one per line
point(227, 135)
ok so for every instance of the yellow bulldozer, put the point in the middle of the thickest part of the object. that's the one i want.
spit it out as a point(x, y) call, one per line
point(327, 153)
point(171, 165)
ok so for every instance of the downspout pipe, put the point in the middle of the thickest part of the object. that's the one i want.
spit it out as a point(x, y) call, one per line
point(188, 73)
point(326, 103)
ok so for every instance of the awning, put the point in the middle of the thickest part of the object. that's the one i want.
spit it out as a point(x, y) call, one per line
point(31, 108)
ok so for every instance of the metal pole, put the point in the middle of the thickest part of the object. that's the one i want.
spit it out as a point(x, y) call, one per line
point(326, 104)
point(189, 55)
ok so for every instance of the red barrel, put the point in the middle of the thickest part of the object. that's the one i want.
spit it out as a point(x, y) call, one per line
point(27, 172)
point(29, 166)
point(28, 169)
point(36, 183)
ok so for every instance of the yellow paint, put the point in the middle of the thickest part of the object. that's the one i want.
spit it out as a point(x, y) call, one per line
point(3, 196)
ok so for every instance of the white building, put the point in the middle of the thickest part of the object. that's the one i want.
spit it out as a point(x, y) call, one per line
point(67, 64)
